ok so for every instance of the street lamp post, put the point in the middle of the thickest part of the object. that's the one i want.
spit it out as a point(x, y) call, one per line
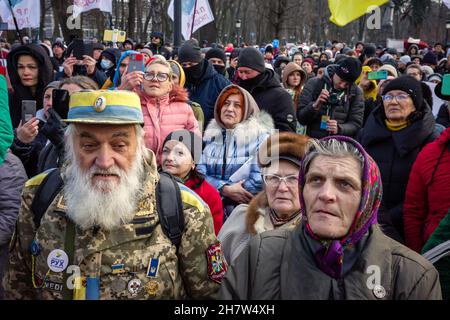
point(238, 29)
point(447, 26)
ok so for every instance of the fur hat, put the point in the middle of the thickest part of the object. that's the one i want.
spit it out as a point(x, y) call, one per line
point(283, 146)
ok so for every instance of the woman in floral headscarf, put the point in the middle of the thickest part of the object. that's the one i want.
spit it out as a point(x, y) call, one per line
point(338, 252)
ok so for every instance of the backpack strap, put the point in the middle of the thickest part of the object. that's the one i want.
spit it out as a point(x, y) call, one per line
point(170, 207)
point(45, 194)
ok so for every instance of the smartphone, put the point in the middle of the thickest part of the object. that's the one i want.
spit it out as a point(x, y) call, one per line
point(78, 48)
point(136, 62)
point(446, 85)
point(60, 102)
point(28, 110)
point(114, 36)
point(377, 75)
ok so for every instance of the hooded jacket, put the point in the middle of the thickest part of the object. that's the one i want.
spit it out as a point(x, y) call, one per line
point(206, 91)
point(112, 55)
point(161, 50)
point(395, 153)
point(288, 70)
point(226, 150)
point(349, 113)
point(164, 115)
point(299, 265)
point(117, 75)
point(428, 193)
point(45, 76)
point(273, 99)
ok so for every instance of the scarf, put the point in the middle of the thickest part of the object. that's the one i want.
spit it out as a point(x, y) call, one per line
point(330, 256)
point(277, 221)
point(395, 127)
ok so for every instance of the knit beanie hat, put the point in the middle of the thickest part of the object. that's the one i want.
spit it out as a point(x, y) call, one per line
point(192, 142)
point(251, 58)
point(235, 53)
point(405, 59)
point(410, 86)
point(216, 53)
point(349, 69)
point(430, 58)
point(189, 52)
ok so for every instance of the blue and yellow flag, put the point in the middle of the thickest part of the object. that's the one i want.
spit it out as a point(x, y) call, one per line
point(345, 11)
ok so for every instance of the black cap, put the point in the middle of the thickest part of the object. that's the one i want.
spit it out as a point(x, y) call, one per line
point(189, 52)
point(216, 53)
point(410, 86)
point(349, 69)
point(251, 58)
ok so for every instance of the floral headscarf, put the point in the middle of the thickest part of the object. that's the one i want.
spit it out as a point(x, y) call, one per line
point(329, 257)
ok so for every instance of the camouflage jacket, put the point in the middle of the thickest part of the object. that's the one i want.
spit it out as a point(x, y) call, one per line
point(138, 250)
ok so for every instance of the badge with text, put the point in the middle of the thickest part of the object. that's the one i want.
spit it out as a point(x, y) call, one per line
point(57, 260)
point(152, 269)
point(217, 265)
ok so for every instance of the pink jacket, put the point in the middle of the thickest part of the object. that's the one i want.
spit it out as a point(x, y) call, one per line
point(164, 115)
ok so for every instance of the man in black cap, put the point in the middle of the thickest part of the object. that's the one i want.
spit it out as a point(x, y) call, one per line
point(218, 59)
point(156, 45)
point(203, 82)
point(266, 89)
point(128, 44)
point(333, 104)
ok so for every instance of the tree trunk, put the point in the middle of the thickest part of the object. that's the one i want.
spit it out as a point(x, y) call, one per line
point(131, 18)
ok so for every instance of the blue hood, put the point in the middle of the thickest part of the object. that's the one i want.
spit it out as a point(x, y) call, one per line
point(117, 74)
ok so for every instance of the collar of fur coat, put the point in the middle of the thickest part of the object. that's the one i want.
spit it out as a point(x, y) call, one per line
point(256, 215)
point(246, 131)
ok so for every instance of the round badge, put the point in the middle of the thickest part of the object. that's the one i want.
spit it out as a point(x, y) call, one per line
point(151, 288)
point(290, 118)
point(100, 104)
point(57, 260)
point(118, 285)
point(379, 291)
point(134, 286)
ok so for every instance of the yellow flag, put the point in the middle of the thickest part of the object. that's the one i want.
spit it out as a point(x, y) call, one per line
point(345, 11)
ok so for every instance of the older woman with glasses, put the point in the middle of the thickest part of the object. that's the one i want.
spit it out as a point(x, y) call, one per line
point(164, 105)
point(394, 134)
point(278, 205)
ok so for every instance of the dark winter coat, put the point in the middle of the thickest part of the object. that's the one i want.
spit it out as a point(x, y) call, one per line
point(395, 153)
point(349, 114)
point(280, 265)
point(24, 93)
point(274, 99)
point(443, 116)
point(161, 49)
point(206, 90)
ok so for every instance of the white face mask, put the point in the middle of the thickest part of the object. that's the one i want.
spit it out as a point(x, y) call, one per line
point(106, 64)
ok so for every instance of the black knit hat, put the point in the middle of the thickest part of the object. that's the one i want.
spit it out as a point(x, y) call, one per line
point(349, 69)
point(430, 58)
point(192, 141)
point(251, 58)
point(189, 52)
point(410, 86)
point(216, 53)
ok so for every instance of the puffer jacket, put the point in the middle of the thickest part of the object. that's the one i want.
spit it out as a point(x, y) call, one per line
point(280, 265)
point(165, 115)
point(227, 150)
point(428, 193)
point(349, 113)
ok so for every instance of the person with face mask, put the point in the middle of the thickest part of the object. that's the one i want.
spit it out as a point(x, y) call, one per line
point(108, 64)
point(218, 59)
point(203, 82)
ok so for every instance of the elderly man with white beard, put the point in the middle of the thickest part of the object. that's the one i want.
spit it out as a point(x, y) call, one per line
point(101, 237)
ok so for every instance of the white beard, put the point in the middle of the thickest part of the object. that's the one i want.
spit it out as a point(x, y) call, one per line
point(107, 205)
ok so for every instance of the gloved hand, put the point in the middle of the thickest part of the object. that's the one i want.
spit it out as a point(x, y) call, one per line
point(54, 129)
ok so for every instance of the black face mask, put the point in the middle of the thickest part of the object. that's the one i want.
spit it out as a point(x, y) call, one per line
point(249, 84)
point(220, 69)
point(194, 73)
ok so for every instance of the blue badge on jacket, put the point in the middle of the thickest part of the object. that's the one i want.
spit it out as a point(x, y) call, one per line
point(153, 266)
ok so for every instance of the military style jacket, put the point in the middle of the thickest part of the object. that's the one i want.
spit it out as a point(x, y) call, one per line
point(136, 261)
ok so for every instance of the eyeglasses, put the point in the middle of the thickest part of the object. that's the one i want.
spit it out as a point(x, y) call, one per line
point(160, 77)
point(398, 98)
point(274, 181)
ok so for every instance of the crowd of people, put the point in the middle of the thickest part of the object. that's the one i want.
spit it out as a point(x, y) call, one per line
point(215, 172)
